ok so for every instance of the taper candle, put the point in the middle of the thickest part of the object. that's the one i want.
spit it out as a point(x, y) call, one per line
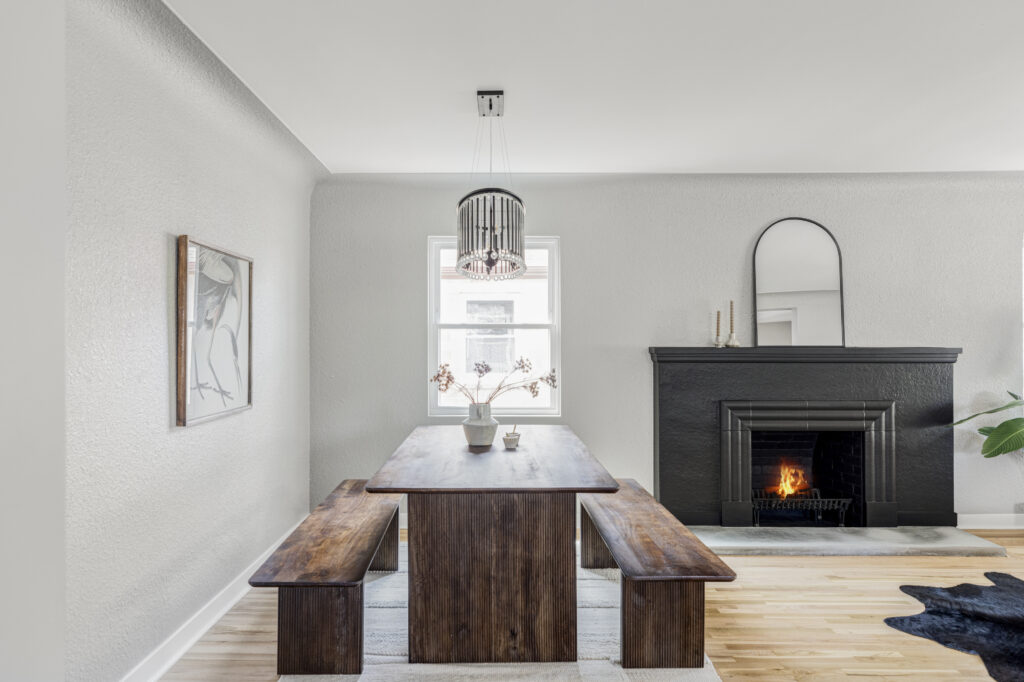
point(732, 319)
point(718, 323)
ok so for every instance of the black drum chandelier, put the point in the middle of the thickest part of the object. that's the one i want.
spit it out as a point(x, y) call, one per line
point(490, 221)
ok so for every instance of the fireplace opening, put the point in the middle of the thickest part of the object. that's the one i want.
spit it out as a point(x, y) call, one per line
point(807, 478)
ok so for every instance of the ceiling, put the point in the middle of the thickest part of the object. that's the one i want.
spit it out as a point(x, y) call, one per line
point(641, 86)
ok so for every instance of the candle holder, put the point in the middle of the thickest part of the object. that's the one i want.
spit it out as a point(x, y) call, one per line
point(732, 341)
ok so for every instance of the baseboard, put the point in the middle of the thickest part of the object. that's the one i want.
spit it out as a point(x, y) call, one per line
point(160, 660)
point(990, 521)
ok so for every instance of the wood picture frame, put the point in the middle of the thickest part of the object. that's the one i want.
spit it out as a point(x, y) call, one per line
point(214, 332)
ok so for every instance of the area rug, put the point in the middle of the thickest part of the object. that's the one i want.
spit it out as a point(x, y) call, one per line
point(386, 644)
point(987, 620)
point(814, 541)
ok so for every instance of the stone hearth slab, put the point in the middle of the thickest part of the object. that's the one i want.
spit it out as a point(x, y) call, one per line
point(812, 541)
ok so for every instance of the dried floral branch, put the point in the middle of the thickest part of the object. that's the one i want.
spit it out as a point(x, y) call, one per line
point(445, 380)
point(481, 369)
point(521, 365)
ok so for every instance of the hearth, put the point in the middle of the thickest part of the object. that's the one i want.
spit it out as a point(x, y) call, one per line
point(875, 420)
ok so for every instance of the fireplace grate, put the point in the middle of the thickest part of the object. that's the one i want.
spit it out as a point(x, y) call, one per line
point(808, 500)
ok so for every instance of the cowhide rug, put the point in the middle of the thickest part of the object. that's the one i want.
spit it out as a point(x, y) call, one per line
point(978, 619)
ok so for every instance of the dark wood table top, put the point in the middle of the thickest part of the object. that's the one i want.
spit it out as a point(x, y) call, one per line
point(647, 541)
point(335, 544)
point(436, 459)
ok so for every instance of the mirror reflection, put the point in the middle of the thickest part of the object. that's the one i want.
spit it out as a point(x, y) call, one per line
point(798, 286)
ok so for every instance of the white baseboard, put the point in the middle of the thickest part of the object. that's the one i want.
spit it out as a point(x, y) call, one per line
point(160, 660)
point(990, 521)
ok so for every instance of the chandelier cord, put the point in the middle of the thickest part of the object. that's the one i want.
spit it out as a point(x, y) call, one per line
point(477, 145)
point(508, 160)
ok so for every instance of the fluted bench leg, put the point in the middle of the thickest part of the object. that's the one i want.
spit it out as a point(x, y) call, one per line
point(593, 552)
point(662, 623)
point(386, 558)
point(320, 630)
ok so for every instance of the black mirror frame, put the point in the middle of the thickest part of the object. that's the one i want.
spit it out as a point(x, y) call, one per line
point(842, 298)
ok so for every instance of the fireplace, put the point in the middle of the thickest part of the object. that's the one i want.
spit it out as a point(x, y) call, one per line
point(867, 427)
point(843, 449)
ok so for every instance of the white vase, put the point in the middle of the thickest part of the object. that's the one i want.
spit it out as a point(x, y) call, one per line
point(480, 427)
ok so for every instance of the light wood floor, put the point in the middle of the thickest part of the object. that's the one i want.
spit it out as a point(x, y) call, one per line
point(785, 618)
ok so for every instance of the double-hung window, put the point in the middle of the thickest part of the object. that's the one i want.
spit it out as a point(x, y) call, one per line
point(495, 322)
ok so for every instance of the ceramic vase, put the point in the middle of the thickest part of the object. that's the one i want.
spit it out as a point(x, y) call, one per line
point(480, 427)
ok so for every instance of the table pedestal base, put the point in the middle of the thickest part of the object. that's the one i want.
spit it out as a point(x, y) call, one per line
point(492, 577)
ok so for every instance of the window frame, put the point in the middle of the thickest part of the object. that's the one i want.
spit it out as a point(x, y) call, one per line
point(434, 246)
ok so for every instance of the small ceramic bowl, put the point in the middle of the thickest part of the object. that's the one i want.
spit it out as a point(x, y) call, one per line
point(511, 441)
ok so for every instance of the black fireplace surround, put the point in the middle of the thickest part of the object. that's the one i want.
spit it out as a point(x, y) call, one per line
point(708, 402)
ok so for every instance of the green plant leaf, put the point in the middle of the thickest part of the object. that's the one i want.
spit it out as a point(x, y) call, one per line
point(986, 430)
point(1007, 406)
point(1014, 395)
point(1007, 437)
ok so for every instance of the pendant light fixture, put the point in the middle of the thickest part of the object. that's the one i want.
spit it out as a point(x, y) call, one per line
point(490, 221)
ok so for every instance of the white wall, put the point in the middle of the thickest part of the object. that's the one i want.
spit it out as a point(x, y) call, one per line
point(928, 260)
point(33, 215)
point(164, 140)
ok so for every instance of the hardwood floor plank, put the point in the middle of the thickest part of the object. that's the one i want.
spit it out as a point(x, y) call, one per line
point(784, 619)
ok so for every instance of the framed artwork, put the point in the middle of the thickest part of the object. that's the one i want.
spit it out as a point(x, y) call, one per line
point(214, 345)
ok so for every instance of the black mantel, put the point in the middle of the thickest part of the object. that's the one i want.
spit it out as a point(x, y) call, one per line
point(691, 384)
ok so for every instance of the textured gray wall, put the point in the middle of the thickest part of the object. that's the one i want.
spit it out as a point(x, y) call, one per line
point(928, 260)
point(164, 140)
point(33, 216)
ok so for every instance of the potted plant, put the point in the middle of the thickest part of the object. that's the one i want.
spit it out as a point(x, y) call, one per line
point(1007, 436)
point(480, 427)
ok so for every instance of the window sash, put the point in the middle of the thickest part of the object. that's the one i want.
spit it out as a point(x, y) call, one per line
point(435, 326)
point(495, 325)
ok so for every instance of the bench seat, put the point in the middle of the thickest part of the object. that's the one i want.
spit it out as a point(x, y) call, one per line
point(664, 567)
point(318, 572)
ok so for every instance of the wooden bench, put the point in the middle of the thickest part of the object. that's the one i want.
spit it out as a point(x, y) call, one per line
point(318, 572)
point(664, 568)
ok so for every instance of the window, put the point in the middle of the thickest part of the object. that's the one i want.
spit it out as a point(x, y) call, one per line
point(472, 321)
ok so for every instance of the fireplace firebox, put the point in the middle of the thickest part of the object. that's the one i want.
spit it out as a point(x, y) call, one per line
point(807, 478)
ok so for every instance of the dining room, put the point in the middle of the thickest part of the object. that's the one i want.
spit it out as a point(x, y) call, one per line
point(675, 340)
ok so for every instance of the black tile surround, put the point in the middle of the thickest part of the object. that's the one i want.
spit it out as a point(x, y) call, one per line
point(691, 384)
point(875, 419)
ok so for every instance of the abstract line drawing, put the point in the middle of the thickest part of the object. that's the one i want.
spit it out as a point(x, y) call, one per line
point(214, 332)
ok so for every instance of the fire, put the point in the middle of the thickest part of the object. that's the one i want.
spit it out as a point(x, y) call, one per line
point(791, 480)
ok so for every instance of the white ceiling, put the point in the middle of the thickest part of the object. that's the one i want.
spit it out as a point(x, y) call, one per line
point(636, 86)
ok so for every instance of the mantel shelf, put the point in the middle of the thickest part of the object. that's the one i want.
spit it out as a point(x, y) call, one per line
point(782, 354)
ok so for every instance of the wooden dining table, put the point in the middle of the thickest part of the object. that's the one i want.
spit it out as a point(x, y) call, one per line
point(492, 538)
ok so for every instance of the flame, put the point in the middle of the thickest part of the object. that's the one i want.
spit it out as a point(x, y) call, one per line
point(791, 480)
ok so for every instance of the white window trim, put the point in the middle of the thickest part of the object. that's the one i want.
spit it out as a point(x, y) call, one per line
point(434, 246)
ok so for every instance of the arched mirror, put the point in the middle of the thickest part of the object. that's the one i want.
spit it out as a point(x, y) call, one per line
point(798, 286)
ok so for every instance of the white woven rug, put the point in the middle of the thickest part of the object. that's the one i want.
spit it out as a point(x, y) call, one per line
point(386, 647)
